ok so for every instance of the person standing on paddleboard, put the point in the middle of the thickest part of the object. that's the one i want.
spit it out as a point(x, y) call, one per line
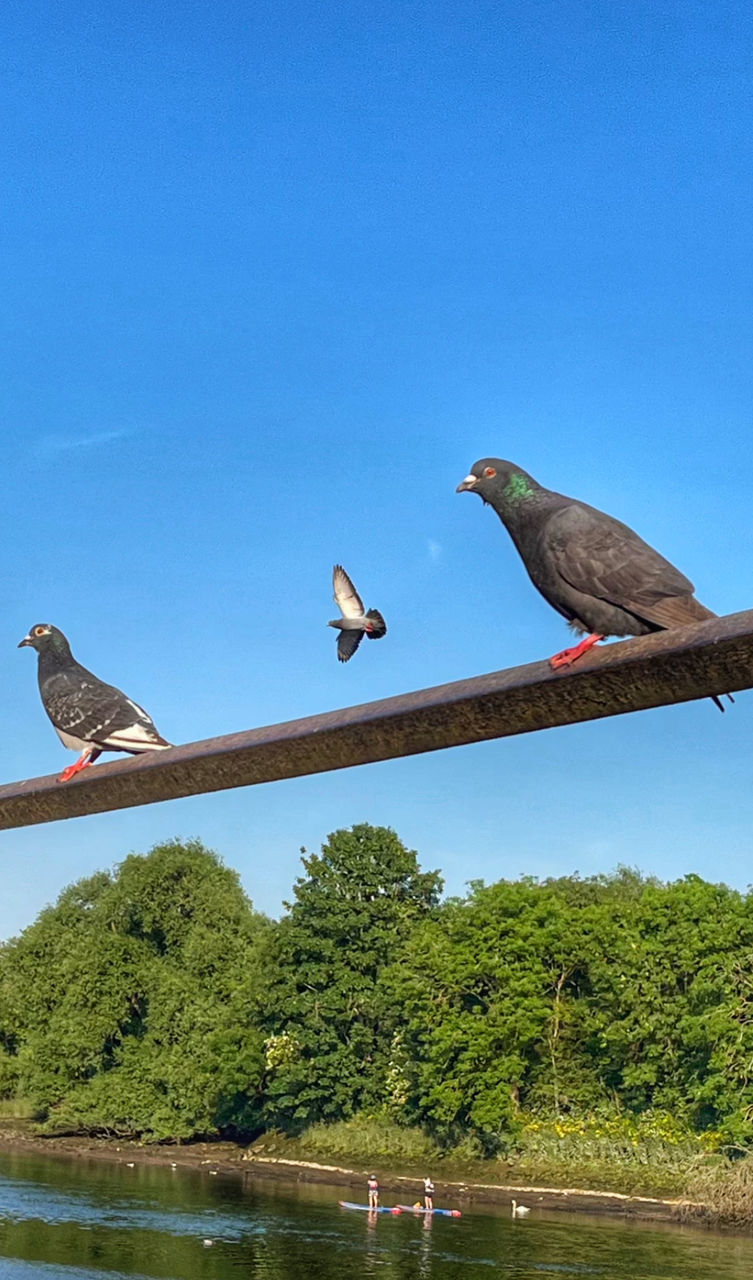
point(428, 1193)
point(373, 1186)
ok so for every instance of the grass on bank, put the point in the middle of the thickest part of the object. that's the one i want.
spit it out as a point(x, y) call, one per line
point(15, 1109)
point(725, 1192)
point(647, 1155)
point(650, 1155)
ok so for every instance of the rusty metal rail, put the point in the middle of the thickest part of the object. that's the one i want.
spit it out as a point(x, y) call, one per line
point(711, 657)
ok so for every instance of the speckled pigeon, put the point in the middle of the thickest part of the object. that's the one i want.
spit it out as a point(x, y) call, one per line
point(355, 623)
point(88, 715)
point(592, 569)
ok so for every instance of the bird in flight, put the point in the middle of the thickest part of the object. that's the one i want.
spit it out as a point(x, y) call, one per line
point(355, 623)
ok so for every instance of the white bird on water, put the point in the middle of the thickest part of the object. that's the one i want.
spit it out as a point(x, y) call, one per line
point(519, 1210)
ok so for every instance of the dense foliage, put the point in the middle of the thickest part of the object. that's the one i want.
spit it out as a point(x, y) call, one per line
point(154, 1000)
point(322, 1004)
point(126, 1007)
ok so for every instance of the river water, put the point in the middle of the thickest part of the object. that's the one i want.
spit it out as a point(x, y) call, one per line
point(92, 1220)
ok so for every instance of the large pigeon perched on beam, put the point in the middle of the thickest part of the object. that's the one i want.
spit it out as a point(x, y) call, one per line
point(88, 715)
point(355, 622)
point(591, 568)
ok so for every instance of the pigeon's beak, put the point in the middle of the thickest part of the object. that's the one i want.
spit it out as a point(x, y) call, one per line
point(470, 482)
point(26, 640)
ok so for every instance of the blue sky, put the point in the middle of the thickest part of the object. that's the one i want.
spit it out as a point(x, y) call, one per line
point(273, 278)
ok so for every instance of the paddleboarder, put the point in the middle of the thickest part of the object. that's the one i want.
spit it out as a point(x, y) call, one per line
point(373, 1187)
point(428, 1194)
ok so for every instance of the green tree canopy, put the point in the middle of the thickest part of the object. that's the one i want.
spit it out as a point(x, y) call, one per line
point(328, 1025)
point(574, 994)
point(154, 1000)
point(125, 1006)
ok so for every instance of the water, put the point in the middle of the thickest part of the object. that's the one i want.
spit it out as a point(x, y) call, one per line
point(81, 1220)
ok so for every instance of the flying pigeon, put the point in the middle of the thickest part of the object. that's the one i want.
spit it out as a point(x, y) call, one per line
point(88, 715)
point(591, 568)
point(354, 623)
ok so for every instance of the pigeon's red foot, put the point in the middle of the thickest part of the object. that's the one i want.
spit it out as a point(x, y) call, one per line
point(569, 656)
point(75, 768)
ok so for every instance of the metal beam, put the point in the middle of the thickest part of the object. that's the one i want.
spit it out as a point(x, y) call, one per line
point(712, 657)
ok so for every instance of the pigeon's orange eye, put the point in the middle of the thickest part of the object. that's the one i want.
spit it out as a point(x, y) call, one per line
point(39, 631)
point(489, 472)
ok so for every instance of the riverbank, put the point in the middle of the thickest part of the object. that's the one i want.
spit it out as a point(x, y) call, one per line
point(233, 1159)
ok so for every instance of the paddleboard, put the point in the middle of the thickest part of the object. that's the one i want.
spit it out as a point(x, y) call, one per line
point(419, 1208)
point(346, 1204)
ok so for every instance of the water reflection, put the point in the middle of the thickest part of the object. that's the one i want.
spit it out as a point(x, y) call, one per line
point(106, 1221)
point(424, 1257)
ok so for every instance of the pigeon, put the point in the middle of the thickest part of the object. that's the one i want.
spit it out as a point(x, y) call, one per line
point(89, 715)
point(594, 570)
point(354, 623)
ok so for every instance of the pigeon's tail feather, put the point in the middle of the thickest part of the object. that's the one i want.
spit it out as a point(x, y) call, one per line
point(718, 701)
point(379, 626)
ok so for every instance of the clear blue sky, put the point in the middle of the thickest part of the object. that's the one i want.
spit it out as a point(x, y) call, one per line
point(273, 277)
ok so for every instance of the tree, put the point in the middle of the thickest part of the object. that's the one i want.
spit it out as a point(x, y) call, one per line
point(477, 990)
point(666, 1020)
point(126, 1006)
point(328, 1025)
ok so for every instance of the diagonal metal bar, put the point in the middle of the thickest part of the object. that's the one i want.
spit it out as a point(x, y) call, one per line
point(712, 657)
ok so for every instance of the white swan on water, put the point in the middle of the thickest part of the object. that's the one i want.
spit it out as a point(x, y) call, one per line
point(519, 1210)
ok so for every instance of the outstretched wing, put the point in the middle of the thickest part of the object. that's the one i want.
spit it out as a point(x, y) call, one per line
point(602, 557)
point(347, 643)
point(347, 598)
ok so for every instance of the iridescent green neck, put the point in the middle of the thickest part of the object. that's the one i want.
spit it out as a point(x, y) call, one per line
point(517, 488)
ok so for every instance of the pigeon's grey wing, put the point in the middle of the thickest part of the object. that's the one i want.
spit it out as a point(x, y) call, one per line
point(347, 643)
point(83, 706)
point(347, 598)
point(131, 729)
point(602, 557)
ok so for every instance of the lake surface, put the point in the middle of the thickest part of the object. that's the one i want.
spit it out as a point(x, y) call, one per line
point(96, 1221)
